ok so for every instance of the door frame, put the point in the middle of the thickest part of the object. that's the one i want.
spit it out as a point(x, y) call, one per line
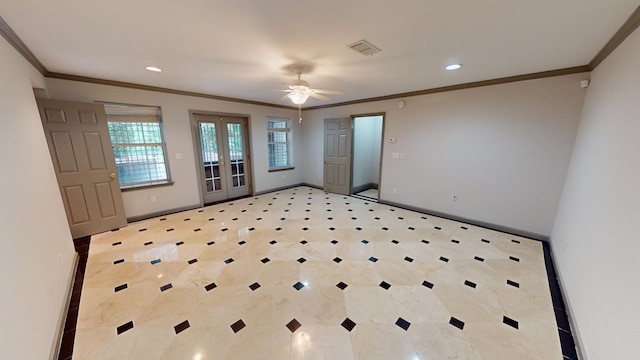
point(195, 136)
point(382, 142)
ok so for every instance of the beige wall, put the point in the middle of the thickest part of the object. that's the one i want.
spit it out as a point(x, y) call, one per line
point(595, 238)
point(502, 149)
point(175, 111)
point(37, 255)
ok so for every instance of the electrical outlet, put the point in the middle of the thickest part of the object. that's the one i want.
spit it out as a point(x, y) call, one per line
point(454, 197)
point(153, 199)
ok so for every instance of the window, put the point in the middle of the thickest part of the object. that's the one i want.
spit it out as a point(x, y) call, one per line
point(138, 145)
point(279, 142)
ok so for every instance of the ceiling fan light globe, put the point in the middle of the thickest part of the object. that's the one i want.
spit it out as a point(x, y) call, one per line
point(298, 97)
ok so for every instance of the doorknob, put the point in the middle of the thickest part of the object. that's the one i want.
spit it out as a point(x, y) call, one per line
point(221, 163)
point(325, 161)
point(112, 175)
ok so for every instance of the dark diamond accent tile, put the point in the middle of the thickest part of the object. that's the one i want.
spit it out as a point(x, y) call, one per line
point(385, 228)
point(169, 230)
point(244, 210)
point(255, 286)
point(156, 261)
point(395, 241)
point(464, 228)
point(365, 241)
point(272, 242)
point(235, 219)
point(259, 218)
point(385, 285)
point(427, 284)
point(196, 230)
point(423, 218)
point(305, 228)
point(119, 261)
point(222, 210)
point(329, 218)
point(332, 228)
point(514, 259)
point(485, 241)
point(373, 259)
point(306, 219)
point(470, 283)
point(200, 211)
point(278, 228)
point(180, 243)
point(211, 219)
point(513, 283)
point(442, 258)
point(163, 219)
point(337, 260)
point(376, 218)
point(165, 287)
point(210, 286)
point(187, 219)
point(515, 241)
point(192, 261)
point(457, 323)
point(117, 243)
point(224, 229)
point(400, 218)
point(308, 210)
point(242, 242)
point(301, 260)
point(425, 241)
point(141, 230)
point(341, 285)
point(411, 228)
point(181, 327)
point(354, 218)
point(510, 322)
point(404, 324)
point(392, 209)
point(438, 228)
point(455, 241)
point(251, 228)
point(265, 260)
point(211, 243)
point(478, 258)
point(293, 325)
point(334, 241)
point(298, 285)
point(124, 327)
point(348, 324)
point(114, 230)
point(120, 287)
point(359, 228)
point(229, 261)
point(237, 326)
point(148, 243)
point(408, 259)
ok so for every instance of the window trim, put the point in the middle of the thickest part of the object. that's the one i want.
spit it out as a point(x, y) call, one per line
point(157, 118)
point(289, 132)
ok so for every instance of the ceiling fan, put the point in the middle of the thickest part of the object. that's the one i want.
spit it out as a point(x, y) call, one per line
point(299, 91)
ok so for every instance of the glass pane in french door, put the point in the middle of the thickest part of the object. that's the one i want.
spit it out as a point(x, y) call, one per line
point(210, 160)
point(236, 155)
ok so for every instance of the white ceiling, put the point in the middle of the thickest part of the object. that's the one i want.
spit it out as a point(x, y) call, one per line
point(245, 48)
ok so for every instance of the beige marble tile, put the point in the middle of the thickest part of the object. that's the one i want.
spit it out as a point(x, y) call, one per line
point(320, 306)
point(376, 341)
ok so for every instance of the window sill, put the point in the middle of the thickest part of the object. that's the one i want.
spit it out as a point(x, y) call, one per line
point(140, 187)
point(282, 169)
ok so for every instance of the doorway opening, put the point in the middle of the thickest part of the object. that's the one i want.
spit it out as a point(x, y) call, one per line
point(366, 155)
point(222, 149)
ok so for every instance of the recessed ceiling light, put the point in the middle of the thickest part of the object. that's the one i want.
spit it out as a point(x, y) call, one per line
point(153, 68)
point(453, 67)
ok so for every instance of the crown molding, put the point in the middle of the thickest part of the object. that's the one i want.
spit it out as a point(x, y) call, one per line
point(625, 30)
point(13, 39)
point(504, 80)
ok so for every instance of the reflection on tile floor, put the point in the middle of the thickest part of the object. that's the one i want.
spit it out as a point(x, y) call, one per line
point(369, 193)
point(300, 274)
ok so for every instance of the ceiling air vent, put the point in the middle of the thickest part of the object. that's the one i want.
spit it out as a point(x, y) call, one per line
point(364, 47)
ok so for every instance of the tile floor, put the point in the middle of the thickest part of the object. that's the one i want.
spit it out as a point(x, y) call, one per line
point(300, 274)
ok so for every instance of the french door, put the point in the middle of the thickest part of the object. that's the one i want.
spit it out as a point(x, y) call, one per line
point(223, 153)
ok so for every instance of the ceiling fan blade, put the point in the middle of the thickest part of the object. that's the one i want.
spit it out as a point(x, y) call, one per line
point(318, 96)
point(334, 92)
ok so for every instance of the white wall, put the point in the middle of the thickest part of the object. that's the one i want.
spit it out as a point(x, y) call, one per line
point(37, 255)
point(598, 214)
point(502, 149)
point(175, 112)
point(367, 135)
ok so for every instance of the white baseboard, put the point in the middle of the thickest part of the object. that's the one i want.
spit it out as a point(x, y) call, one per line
point(62, 318)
